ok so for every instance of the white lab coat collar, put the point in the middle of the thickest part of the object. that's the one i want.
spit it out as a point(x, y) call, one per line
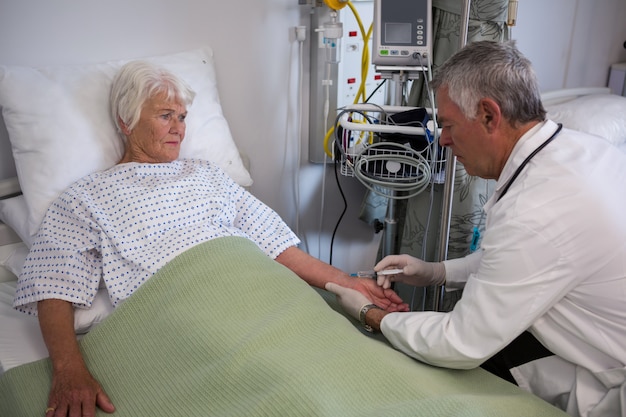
point(529, 141)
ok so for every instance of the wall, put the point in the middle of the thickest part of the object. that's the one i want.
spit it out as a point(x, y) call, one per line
point(572, 43)
point(257, 60)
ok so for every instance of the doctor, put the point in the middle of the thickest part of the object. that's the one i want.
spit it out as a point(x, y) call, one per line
point(544, 301)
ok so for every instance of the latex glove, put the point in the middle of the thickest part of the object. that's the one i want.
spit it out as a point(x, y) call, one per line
point(414, 271)
point(352, 301)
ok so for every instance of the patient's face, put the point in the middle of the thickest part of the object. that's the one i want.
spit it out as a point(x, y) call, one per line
point(157, 136)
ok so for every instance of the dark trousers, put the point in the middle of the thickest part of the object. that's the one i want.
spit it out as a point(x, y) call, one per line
point(526, 348)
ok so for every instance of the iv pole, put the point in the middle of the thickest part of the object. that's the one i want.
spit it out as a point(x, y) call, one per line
point(448, 187)
point(399, 75)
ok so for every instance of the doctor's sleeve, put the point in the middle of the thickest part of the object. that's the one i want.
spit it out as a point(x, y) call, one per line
point(458, 270)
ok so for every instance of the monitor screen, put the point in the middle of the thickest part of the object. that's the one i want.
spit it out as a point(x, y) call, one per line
point(397, 33)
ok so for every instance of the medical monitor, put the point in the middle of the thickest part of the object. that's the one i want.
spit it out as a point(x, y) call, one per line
point(402, 32)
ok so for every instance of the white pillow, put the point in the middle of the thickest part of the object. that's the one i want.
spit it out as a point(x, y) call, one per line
point(12, 258)
point(599, 114)
point(60, 126)
point(13, 213)
point(86, 318)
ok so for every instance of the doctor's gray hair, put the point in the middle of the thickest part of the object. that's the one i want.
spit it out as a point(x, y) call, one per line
point(138, 81)
point(495, 70)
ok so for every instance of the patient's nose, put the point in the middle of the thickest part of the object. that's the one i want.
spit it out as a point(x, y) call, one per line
point(177, 126)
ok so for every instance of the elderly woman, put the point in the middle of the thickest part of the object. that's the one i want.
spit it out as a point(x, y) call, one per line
point(118, 227)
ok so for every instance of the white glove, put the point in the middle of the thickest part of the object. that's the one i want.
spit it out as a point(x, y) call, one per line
point(414, 271)
point(352, 301)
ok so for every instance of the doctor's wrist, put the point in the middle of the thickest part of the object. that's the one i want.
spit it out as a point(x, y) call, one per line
point(373, 317)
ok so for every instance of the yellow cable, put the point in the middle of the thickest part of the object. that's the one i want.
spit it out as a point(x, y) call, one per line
point(327, 140)
point(332, 129)
point(336, 4)
point(364, 55)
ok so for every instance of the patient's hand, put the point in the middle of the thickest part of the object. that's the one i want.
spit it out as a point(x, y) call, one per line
point(318, 274)
point(76, 392)
point(383, 297)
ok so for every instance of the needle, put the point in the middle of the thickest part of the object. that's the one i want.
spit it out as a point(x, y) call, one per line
point(374, 274)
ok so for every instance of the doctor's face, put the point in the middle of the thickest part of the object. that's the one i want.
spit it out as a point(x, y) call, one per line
point(467, 138)
point(158, 134)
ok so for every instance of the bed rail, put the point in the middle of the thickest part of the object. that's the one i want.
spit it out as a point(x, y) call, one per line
point(9, 187)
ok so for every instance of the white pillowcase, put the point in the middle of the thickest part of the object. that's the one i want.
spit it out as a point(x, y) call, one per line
point(60, 127)
point(599, 114)
point(12, 258)
point(13, 212)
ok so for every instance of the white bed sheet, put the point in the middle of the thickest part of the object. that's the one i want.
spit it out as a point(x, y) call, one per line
point(20, 338)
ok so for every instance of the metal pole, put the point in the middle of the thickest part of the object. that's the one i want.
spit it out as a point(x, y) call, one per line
point(448, 188)
point(391, 228)
point(390, 246)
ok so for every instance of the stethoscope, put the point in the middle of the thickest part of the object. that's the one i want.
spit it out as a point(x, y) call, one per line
point(527, 160)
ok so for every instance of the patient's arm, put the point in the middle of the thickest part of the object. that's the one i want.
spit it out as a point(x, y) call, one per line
point(318, 273)
point(73, 387)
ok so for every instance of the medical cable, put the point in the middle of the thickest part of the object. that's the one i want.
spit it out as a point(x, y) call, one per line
point(403, 187)
point(337, 160)
point(404, 157)
point(343, 212)
point(375, 90)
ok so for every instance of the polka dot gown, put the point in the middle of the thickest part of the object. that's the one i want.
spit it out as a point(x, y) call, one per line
point(121, 225)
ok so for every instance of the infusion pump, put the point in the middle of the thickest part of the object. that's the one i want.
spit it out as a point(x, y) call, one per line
point(402, 34)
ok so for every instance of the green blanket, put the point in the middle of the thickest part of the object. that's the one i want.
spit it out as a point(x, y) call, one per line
point(223, 330)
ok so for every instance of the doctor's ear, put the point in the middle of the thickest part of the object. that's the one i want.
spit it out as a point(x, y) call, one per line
point(489, 113)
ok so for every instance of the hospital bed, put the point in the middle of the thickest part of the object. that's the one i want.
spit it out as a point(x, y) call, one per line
point(240, 335)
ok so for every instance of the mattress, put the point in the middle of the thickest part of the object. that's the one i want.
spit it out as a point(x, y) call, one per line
point(20, 338)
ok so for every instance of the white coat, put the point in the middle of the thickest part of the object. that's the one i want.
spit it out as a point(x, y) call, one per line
point(553, 261)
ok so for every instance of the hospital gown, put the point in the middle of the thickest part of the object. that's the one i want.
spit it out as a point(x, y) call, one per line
point(121, 225)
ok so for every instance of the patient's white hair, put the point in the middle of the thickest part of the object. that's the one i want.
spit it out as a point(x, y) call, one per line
point(138, 81)
point(497, 70)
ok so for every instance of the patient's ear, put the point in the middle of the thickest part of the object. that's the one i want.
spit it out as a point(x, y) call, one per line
point(125, 130)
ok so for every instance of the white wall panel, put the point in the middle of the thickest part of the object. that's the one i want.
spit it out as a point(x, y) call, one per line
point(572, 43)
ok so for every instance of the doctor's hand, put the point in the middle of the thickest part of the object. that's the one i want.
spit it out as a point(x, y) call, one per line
point(414, 271)
point(352, 301)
